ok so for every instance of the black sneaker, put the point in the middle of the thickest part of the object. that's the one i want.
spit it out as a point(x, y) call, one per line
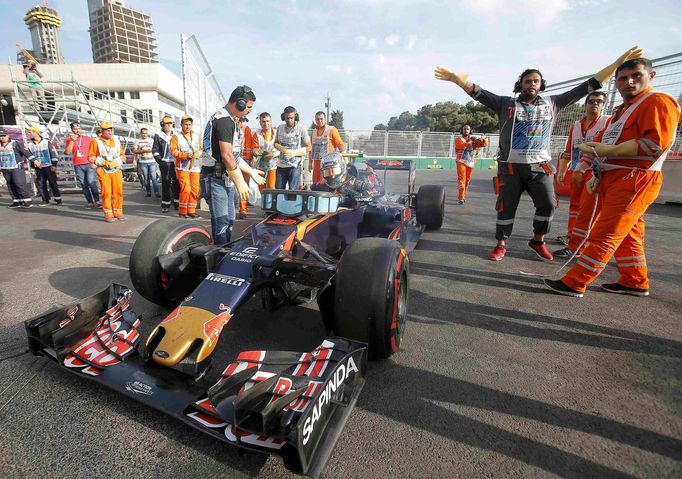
point(559, 287)
point(148, 195)
point(563, 240)
point(164, 210)
point(14, 205)
point(620, 289)
point(44, 203)
point(26, 204)
point(563, 253)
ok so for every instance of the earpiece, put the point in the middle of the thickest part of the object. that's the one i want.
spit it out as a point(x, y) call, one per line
point(517, 85)
point(289, 109)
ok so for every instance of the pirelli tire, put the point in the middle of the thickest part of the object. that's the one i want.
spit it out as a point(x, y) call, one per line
point(370, 295)
point(161, 237)
point(431, 206)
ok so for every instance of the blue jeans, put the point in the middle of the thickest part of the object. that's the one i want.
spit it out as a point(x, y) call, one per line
point(87, 176)
point(148, 171)
point(223, 210)
point(291, 175)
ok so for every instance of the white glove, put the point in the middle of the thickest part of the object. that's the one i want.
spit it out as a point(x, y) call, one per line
point(297, 152)
point(239, 183)
point(256, 175)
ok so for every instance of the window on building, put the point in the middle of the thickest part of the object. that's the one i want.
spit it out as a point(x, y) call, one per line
point(134, 95)
point(121, 95)
point(143, 115)
point(124, 116)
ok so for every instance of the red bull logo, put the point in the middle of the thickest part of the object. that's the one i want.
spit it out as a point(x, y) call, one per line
point(214, 326)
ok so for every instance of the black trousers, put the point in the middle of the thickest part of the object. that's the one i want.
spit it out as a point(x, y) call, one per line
point(16, 184)
point(47, 176)
point(169, 184)
point(514, 179)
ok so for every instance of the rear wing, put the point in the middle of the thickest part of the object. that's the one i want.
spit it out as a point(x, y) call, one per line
point(396, 164)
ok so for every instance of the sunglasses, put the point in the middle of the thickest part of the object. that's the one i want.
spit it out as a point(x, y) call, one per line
point(595, 100)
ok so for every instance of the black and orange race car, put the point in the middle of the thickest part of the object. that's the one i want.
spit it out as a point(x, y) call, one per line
point(352, 261)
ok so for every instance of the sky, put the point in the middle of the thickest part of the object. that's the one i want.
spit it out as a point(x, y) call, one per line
point(376, 58)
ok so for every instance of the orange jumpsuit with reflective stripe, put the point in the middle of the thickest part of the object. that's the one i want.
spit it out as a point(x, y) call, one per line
point(110, 180)
point(626, 193)
point(187, 169)
point(581, 132)
point(247, 154)
point(465, 166)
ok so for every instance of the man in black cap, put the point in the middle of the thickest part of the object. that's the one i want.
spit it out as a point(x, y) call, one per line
point(12, 157)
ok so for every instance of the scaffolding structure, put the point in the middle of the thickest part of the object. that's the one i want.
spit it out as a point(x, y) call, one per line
point(67, 101)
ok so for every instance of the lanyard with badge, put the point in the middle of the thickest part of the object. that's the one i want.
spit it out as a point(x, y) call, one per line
point(79, 145)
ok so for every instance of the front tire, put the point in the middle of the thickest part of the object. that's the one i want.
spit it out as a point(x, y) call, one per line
point(370, 297)
point(160, 238)
point(431, 206)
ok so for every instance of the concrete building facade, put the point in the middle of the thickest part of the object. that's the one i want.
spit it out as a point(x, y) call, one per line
point(44, 24)
point(119, 34)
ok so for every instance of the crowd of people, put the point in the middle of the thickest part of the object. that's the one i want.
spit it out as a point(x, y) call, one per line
point(615, 165)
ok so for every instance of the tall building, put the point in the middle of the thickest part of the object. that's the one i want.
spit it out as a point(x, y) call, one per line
point(120, 34)
point(44, 23)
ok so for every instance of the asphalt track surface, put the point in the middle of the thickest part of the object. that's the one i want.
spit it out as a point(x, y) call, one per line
point(498, 377)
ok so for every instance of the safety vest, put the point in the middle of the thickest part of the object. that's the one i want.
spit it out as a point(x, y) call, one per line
point(190, 146)
point(265, 145)
point(166, 151)
point(146, 157)
point(320, 143)
point(111, 154)
point(577, 138)
point(531, 131)
point(291, 141)
point(613, 132)
point(41, 151)
point(8, 160)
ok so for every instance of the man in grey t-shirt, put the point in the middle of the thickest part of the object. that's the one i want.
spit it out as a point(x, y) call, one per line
point(526, 122)
point(293, 142)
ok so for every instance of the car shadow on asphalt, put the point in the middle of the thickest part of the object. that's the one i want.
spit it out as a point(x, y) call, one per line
point(500, 320)
point(429, 407)
point(470, 276)
point(111, 243)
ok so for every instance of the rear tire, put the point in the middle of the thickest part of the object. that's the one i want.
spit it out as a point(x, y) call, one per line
point(159, 238)
point(431, 206)
point(370, 297)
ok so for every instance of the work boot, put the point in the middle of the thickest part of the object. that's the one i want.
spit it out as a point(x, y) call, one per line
point(164, 209)
point(90, 206)
point(461, 202)
point(148, 195)
point(26, 204)
point(44, 203)
point(110, 219)
point(541, 250)
point(559, 287)
point(121, 218)
point(241, 216)
point(620, 289)
point(14, 205)
point(498, 253)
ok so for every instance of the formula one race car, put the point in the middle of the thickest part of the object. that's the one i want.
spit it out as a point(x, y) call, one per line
point(352, 261)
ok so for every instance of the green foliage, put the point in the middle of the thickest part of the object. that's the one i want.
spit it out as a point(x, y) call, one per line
point(444, 116)
point(336, 119)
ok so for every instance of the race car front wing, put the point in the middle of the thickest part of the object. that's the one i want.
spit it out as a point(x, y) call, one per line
point(291, 404)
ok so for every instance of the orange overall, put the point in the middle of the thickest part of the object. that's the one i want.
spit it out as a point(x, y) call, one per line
point(187, 169)
point(465, 162)
point(628, 187)
point(247, 155)
point(324, 140)
point(110, 179)
point(581, 132)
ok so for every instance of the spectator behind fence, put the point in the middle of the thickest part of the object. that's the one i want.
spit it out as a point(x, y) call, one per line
point(78, 146)
point(524, 160)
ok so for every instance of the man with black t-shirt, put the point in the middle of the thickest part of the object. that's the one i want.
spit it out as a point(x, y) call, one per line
point(227, 184)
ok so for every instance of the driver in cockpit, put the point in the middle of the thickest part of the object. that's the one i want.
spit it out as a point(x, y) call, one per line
point(337, 180)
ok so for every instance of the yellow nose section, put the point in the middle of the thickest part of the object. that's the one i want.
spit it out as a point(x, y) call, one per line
point(182, 328)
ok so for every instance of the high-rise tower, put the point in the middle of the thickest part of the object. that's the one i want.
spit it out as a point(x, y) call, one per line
point(120, 34)
point(43, 23)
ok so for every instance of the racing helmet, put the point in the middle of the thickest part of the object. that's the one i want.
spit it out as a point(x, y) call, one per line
point(333, 169)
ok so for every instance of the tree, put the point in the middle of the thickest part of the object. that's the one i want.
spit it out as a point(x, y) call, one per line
point(405, 122)
point(444, 116)
point(337, 119)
